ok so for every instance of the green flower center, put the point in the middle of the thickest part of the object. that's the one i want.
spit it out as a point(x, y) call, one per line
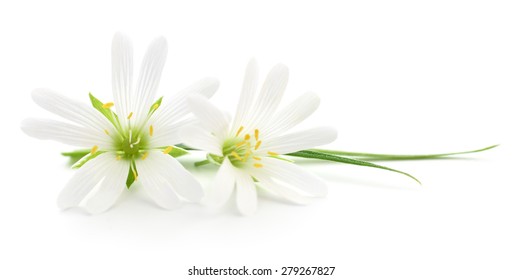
point(242, 149)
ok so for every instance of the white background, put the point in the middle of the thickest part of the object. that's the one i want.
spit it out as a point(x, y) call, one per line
point(394, 77)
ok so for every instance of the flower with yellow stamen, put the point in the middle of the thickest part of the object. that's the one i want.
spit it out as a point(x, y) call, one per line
point(248, 148)
point(123, 145)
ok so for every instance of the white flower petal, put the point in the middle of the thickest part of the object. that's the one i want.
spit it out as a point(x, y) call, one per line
point(281, 190)
point(175, 107)
point(221, 188)
point(66, 133)
point(158, 188)
point(301, 140)
point(270, 96)
point(178, 177)
point(250, 84)
point(293, 114)
point(295, 176)
point(84, 180)
point(110, 189)
point(210, 117)
point(168, 135)
point(246, 195)
point(149, 79)
point(70, 109)
point(205, 87)
point(122, 64)
point(198, 138)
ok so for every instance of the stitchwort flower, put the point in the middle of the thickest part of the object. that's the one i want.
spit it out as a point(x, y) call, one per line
point(248, 148)
point(135, 142)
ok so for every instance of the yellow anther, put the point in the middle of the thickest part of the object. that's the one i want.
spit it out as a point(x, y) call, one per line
point(168, 149)
point(272, 153)
point(258, 165)
point(257, 145)
point(256, 134)
point(236, 155)
point(239, 131)
point(155, 106)
point(151, 130)
point(241, 144)
point(247, 154)
point(130, 115)
point(94, 149)
point(106, 131)
point(247, 136)
point(108, 105)
point(256, 158)
point(144, 156)
point(118, 157)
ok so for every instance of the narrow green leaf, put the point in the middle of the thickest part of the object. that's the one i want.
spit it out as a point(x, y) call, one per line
point(371, 156)
point(107, 112)
point(85, 159)
point(329, 157)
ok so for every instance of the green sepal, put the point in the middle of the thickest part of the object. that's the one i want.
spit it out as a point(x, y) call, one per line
point(330, 157)
point(215, 159)
point(85, 159)
point(130, 177)
point(159, 102)
point(176, 151)
point(371, 156)
point(108, 113)
point(75, 156)
point(202, 162)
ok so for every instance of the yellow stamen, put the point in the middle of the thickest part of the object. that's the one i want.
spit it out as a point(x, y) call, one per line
point(256, 158)
point(130, 115)
point(247, 137)
point(118, 157)
point(272, 153)
point(240, 144)
point(155, 106)
point(108, 105)
point(106, 131)
point(144, 156)
point(236, 155)
point(256, 134)
point(168, 149)
point(151, 130)
point(94, 149)
point(258, 165)
point(239, 130)
point(257, 145)
point(247, 154)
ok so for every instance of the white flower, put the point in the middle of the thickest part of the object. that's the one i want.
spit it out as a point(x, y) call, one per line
point(134, 140)
point(248, 148)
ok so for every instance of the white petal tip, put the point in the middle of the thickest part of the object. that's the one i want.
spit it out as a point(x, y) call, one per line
point(331, 133)
point(209, 86)
point(38, 93)
point(247, 212)
point(196, 196)
point(280, 69)
point(159, 44)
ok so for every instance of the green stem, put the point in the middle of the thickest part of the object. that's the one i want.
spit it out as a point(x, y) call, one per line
point(329, 157)
point(371, 156)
